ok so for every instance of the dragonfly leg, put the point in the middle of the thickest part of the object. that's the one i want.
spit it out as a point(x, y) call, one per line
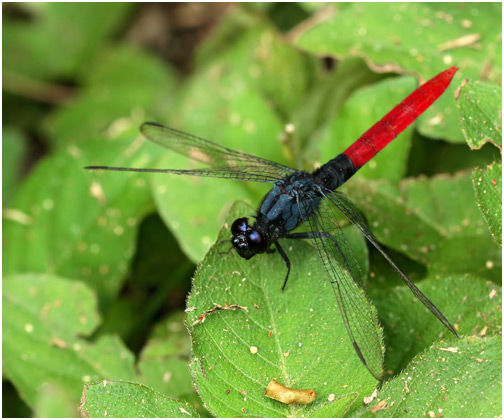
point(299, 235)
point(229, 250)
point(287, 262)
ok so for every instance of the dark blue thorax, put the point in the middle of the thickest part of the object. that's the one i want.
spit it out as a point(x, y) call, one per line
point(292, 199)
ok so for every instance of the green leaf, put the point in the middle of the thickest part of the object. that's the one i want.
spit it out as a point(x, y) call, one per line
point(480, 109)
point(311, 120)
point(53, 401)
point(315, 6)
point(43, 320)
point(452, 379)
point(112, 97)
point(471, 304)
point(276, 69)
point(74, 223)
point(488, 188)
point(473, 254)
point(163, 364)
point(157, 282)
point(247, 47)
point(59, 37)
point(396, 36)
point(336, 407)
point(163, 361)
point(296, 337)
point(130, 400)
point(13, 150)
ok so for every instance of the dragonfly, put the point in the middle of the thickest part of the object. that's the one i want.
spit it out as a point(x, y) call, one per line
point(300, 198)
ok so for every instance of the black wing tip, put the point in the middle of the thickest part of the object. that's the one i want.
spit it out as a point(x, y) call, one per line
point(150, 124)
point(111, 168)
point(100, 168)
point(363, 360)
point(452, 330)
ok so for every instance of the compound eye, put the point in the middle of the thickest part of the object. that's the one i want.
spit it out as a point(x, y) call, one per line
point(255, 237)
point(239, 226)
point(256, 242)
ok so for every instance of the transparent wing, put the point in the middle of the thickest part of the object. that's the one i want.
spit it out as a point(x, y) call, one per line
point(224, 162)
point(346, 207)
point(345, 275)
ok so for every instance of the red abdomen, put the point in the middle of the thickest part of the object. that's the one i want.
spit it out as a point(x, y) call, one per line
point(397, 120)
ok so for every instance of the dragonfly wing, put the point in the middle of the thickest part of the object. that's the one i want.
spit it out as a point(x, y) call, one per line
point(343, 273)
point(224, 162)
point(224, 173)
point(346, 207)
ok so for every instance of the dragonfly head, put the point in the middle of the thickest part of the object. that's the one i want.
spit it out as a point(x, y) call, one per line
point(247, 240)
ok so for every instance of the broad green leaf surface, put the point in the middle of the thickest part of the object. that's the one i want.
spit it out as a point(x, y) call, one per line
point(335, 407)
point(13, 149)
point(430, 220)
point(469, 303)
point(159, 277)
point(296, 337)
point(313, 6)
point(426, 37)
point(454, 379)
point(365, 108)
point(59, 37)
point(163, 364)
point(281, 73)
point(323, 102)
point(246, 46)
point(54, 401)
point(473, 254)
point(488, 189)
point(112, 97)
point(163, 361)
point(433, 157)
point(480, 109)
point(75, 223)
point(110, 399)
point(43, 319)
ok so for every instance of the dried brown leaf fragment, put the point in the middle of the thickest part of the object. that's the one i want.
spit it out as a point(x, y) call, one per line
point(279, 392)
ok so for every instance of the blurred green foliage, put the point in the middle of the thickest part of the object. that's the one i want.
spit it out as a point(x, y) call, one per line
point(97, 266)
